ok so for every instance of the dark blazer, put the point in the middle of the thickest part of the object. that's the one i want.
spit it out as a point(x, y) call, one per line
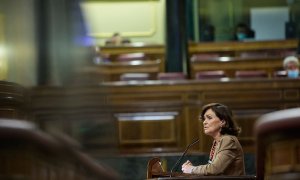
point(228, 159)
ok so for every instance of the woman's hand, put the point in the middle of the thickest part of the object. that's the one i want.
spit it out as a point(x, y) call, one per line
point(187, 167)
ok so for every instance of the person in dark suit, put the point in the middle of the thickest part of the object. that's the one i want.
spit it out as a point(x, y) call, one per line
point(226, 155)
point(243, 32)
point(116, 40)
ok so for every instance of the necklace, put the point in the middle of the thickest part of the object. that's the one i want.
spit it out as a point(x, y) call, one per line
point(212, 152)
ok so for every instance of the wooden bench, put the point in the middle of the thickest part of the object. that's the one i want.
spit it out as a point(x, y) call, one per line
point(230, 48)
point(252, 55)
point(150, 51)
point(28, 153)
point(237, 49)
point(230, 65)
point(14, 101)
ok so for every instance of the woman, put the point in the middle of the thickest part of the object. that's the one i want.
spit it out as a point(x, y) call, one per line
point(226, 155)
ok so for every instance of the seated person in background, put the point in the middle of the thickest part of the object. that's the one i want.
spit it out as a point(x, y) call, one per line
point(291, 66)
point(243, 32)
point(226, 155)
point(207, 33)
point(117, 39)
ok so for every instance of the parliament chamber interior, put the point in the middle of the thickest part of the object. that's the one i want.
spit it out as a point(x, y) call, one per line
point(95, 89)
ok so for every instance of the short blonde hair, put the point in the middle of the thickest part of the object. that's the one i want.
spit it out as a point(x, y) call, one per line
point(290, 59)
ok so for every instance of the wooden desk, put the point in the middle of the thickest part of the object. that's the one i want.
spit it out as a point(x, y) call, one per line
point(154, 171)
point(152, 52)
point(126, 49)
point(111, 71)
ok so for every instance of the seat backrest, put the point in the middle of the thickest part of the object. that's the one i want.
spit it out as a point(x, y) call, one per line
point(45, 155)
point(134, 76)
point(251, 74)
point(131, 56)
point(210, 74)
point(154, 166)
point(171, 76)
point(277, 145)
point(199, 57)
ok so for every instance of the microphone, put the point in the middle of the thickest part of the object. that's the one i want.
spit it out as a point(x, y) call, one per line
point(185, 151)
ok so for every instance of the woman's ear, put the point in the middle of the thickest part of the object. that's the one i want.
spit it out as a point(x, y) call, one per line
point(223, 122)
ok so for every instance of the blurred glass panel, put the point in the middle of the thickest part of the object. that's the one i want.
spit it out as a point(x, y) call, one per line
point(229, 20)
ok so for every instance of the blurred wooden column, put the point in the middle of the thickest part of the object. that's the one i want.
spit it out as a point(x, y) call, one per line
point(43, 64)
point(176, 37)
point(62, 41)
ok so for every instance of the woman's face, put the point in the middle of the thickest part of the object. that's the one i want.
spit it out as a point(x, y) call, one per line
point(212, 124)
point(292, 66)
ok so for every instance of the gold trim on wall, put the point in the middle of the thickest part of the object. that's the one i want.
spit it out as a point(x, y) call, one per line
point(3, 59)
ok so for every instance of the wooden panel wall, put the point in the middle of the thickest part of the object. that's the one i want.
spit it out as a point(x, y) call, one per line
point(135, 108)
point(248, 100)
point(80, 112)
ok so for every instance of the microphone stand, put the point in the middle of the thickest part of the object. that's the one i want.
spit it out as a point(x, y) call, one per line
point(185, 151)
